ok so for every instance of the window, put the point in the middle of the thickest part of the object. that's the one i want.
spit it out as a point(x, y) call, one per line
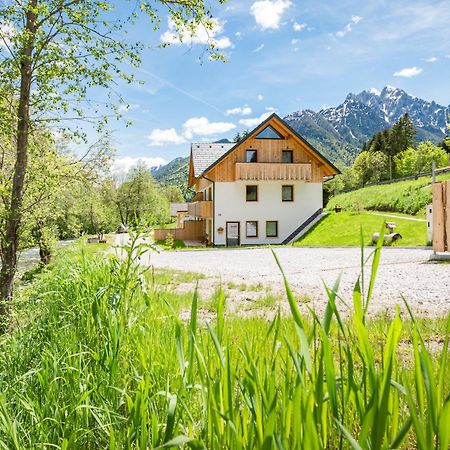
point(287, 193)
point(271, 228)
point(269, 133)
point(251, 156)
point(287, 156)
point(251, 229)
point(251, 193)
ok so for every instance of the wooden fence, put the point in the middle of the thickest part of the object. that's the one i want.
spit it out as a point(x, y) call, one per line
point(193, 230)
point(441, 216)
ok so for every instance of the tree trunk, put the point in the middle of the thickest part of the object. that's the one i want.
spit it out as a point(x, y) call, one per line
point(14, 214)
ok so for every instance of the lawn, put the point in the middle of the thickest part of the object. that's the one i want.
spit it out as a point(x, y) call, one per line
point(343, 229)
point(99, 356)
point(408, 197)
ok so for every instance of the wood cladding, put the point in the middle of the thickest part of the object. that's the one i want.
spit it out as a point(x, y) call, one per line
point(200, 209)
point(441, 216)
point(273, 171)
point(270, 151)
point(193, 230)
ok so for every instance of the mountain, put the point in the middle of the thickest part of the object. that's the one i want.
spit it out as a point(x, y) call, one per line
point(175, 173)
point(339, 132)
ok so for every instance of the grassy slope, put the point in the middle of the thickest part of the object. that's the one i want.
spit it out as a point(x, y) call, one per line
point(98, 358)
point(343, 229)
point(408, 197)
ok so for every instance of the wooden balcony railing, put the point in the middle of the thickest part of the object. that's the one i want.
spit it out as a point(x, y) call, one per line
point(200, 209)
point(273, 171)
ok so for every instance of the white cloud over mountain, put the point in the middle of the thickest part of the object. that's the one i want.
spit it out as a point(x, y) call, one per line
point(409, 72)
point(159, 137)
point(201, 126)
point(240, 110)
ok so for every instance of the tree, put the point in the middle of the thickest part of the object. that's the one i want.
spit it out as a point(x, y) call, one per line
point(43, 89)
point(420, 159)
point(173, 194)
point(140, 200)
point(370, 166)
point(402, 136)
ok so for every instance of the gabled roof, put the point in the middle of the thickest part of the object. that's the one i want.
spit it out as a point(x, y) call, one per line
point(204, 155)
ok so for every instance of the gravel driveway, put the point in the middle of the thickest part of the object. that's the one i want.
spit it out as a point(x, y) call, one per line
point(402, 271)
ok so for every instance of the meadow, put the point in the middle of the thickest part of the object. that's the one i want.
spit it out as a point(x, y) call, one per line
point(98, 357)
point(344, 229)
point(409, 197)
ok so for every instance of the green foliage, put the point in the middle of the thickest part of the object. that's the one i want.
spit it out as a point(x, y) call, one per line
point(343, 229)
point(409, 197)
point(169, 241)
point(370, 166)
point(100, 359)
point(140, 200)
point(420, 159)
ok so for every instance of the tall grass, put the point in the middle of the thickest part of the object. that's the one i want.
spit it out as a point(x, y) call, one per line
point(98, 358)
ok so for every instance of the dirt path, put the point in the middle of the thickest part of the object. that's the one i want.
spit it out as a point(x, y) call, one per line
point(402, 272)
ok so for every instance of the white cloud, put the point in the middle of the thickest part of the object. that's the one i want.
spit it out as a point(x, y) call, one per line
point(129, 107)
point(159, 137)
point(258, 49)
point(238, 34)
point(260, 97)
point(243, 111)
point(348, 28)
point(201, 126)
point(432, 59)
point(408, 72)
point(298, 26)
point(295, 41)
point(268, 13)
point(123, 165)
point(251, 123)
point(201, 35)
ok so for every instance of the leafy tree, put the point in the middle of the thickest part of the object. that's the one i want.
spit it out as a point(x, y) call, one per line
point(56, 51)
point(237, 138)
point(370, 166)
point(173, 194)
point(140, 200)
point(420, 159)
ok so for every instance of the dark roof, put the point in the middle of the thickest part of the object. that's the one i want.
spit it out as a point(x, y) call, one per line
point(205, 154)
point(232, 147)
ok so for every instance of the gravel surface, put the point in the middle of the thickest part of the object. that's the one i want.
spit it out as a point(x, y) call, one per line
point(402, 271)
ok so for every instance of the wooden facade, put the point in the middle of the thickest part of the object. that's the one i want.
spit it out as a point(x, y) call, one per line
point(201, 209)
point(273, 171)
point(309, 165)
point(441, 216)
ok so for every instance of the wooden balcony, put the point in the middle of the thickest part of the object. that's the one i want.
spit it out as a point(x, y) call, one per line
point(201, 209)
point(273, 171)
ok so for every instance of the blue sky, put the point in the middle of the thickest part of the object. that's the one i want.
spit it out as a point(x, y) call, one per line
point(282, 56)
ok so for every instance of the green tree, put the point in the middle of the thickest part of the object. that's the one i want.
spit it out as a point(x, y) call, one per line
point(173, 194)
point(370, 166)
point(56, 52)
point(420, 159)
point(402, 136)
point(140, 200)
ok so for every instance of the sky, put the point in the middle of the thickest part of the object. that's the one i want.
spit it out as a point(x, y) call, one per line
point(283, 55)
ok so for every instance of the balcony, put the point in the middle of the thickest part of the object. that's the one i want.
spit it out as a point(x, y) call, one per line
point(273, 171)
point(201, 209)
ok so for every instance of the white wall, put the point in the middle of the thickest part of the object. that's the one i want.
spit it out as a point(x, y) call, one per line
point(231, 206)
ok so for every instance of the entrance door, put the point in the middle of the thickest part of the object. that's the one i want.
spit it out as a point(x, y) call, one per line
point(232, 234)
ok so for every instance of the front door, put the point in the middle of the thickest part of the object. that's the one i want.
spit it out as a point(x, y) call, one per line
point(232, 234)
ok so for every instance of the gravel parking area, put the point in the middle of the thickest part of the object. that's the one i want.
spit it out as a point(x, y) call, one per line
point(402, 271)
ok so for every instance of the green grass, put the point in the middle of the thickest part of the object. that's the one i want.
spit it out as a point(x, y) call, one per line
point(177, 244)
point(409, 197)
point(343, 229)
point(97, 357)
